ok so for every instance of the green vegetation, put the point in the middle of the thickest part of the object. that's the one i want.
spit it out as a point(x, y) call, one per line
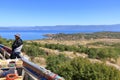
point(78, 36)
point(77, 68)
point(6, 42)
point(99, 53)
point(32, 49)
point(54, 60)
point(81, 69)
point(108, 44)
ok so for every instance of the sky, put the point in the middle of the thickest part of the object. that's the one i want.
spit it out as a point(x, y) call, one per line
point(59, 12)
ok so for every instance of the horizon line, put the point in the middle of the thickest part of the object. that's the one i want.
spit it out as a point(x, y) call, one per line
point(64, 25)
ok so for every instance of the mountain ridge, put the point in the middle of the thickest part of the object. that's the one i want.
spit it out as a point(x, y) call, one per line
point(115, 27)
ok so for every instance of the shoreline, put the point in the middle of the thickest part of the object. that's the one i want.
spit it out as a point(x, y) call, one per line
point(47, 35)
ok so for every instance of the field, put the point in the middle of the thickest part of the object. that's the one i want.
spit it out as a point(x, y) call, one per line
point(86, 59)
point(103, 44)
point(88, 43)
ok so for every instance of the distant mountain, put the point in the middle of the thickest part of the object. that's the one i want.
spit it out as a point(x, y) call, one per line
point(115, 27)
point(84, 36)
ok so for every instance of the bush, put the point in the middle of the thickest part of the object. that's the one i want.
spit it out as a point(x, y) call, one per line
point(32, 50)
point(101, 53)
point(6, 42)
point(83, 69)
point(54, 60)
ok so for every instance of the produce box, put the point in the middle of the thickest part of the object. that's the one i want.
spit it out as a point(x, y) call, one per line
point(10, 63)
point(19, 78)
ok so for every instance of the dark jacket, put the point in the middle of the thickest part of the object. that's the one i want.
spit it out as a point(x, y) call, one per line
point(16, 44)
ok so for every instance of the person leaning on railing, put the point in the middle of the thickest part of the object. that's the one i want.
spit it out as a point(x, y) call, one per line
point(16, 47)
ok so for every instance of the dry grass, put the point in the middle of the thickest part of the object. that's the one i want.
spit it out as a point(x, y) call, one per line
point(66, 53)
point(40, 61)
point(73, 42)
point(118, 61)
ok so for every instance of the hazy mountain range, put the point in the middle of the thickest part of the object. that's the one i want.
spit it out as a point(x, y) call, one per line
point(115, 27)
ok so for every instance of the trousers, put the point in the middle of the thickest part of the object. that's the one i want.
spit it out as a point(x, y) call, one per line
point(15, 55)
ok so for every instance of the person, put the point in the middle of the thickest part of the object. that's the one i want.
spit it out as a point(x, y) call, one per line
point(16, 47)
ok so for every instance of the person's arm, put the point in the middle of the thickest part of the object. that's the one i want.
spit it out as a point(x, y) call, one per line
point(13, 45)
point(19, 42)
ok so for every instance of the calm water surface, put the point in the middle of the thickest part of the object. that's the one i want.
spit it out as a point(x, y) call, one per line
point(33, 35)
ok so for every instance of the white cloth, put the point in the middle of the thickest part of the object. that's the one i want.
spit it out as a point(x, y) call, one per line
point(18, 49)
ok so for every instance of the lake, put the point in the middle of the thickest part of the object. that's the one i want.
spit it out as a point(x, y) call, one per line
point(33, 34)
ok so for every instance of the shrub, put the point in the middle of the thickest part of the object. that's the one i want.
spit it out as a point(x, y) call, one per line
point(83, 69)
point(32, 50)
point(54, 60)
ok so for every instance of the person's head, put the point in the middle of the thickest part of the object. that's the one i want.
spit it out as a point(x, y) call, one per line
point(17, 36)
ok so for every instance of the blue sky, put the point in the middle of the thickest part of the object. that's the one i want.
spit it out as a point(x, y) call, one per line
point(59, 12)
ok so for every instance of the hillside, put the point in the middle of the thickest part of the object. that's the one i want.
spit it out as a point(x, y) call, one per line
point(86, 59)
point(84, 36)
point(64, 58)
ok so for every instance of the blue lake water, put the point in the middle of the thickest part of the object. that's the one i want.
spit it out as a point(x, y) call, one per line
point(33, 35)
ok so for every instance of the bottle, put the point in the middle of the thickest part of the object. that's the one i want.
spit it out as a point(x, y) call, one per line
point(16, 73)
